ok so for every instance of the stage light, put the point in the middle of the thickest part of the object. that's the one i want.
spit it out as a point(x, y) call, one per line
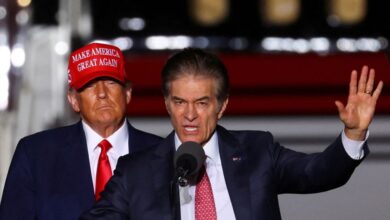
point(18, 55)
point(123, 43)
point(61, 48)
point(23, 3)
point(132, 24)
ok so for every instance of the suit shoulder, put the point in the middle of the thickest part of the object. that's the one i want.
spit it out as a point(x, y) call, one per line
point(40, 141)
point(48, 134)
point(141, 140)
point(249, 140)
point(251, 135)
point(137, 158)
point(146, 135)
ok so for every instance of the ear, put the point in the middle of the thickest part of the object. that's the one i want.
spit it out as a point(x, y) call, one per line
point(223, 108)
point(73, 101)
point(128, 91)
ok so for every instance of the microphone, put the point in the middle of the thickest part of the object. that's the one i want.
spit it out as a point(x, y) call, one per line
point(188, 160)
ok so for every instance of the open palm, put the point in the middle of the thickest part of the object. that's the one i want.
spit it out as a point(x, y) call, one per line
point(359, 111)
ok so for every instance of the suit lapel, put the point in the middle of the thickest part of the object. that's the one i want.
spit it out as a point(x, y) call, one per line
point(234, 165)
point(73, 164)
point(235, 169)
point(134, 142)
point(162, 169)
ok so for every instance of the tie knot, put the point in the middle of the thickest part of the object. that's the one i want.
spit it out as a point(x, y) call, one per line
point(105, 145)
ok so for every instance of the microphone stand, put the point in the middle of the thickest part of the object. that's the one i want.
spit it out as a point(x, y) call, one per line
point(178, 180)
point(175, 200)
point(186, 163)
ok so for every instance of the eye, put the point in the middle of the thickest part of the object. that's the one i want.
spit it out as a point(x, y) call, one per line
point(88, 85)
point(178, 102)
point(110, 82)
point(202, 104)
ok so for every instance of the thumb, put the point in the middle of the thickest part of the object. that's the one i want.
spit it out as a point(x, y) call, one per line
point(340, 106)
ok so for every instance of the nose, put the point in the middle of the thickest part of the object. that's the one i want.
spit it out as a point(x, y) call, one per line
point(101, 90)
point(190, 112)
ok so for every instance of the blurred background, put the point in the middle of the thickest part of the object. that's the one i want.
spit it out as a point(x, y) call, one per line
point(289, 60)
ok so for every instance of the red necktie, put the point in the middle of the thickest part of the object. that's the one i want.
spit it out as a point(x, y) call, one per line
point(204, 200)
point(104, 172)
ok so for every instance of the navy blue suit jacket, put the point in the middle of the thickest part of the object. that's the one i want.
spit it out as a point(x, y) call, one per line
point(50, 177)
point(256, 170)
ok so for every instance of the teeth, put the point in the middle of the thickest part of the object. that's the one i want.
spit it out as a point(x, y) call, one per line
point(190, 128)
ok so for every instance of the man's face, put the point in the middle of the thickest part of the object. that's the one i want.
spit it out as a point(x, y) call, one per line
point(101, 103)
point(193, 107)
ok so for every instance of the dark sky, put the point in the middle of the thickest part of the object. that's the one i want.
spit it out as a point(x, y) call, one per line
point(172, 17)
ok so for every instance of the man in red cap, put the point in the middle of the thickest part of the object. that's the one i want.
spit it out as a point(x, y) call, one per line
point(59, 173)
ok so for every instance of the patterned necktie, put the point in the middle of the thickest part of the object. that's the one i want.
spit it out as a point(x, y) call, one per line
point(204, 200)
point(104, 172)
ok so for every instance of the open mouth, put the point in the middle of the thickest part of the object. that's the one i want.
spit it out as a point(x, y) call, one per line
point(190, 128)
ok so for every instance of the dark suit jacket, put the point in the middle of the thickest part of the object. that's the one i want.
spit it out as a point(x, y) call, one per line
point(50, 177)
point(256, 170)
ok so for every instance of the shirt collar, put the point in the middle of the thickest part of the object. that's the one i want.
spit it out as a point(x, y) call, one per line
point(211, 147)
point(119, 139)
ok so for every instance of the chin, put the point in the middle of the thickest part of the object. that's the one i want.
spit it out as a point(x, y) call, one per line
point(106, 120)
point(191, 139)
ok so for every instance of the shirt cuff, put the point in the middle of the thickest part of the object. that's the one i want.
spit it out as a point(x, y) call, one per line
point(353, 148)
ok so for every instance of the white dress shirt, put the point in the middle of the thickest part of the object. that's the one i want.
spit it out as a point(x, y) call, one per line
point(214, 170)
point(120, 146)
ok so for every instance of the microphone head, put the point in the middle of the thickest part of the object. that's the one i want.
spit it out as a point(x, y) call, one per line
point(189, 158)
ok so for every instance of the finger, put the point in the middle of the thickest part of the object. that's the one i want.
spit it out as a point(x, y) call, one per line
point(378, 90)
point(370, 82)
point(363, 80)
point(353, 83)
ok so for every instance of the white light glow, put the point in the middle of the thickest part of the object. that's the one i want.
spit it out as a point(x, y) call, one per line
point(18, 56)
point(3, 37)
point(123, 43)
point(301, 46)
point(201, 42)
point(157, 43)
point(271, 43)
point(286, 44)
point(320, 44)
point(3, 12)
point(368, 44)
point(346, 44)
point(22, 17)
point(4, 92)
point(180, 42)
point(164, 43)
point(132, 24)
point(384, 42)
point(61, 48)
point(5, 64)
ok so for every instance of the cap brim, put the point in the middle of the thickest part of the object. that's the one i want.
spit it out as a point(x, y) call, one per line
point(90, 77)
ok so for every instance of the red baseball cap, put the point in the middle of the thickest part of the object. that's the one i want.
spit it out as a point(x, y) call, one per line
point(95, 60)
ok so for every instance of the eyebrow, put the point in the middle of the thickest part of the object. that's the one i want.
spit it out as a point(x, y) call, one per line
point(204, 98)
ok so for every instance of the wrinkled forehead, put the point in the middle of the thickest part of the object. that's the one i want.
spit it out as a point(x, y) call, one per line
point(193, 88)
point(201, 79)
